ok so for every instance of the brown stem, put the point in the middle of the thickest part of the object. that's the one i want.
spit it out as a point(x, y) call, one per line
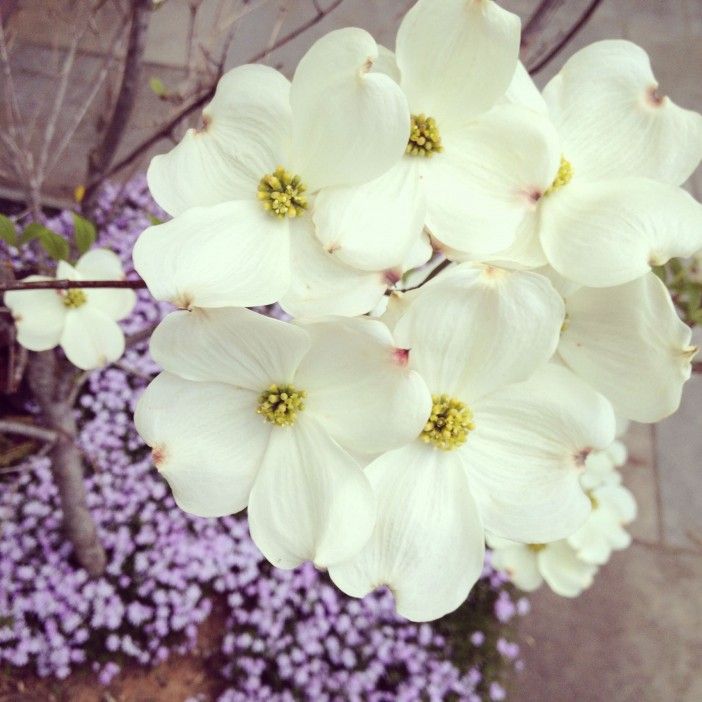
point(48, 382)
point(70, 284)
point(102, 156)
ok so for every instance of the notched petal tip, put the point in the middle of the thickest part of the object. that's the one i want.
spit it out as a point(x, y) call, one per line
point(580, 457)
point(392, 277)
point(401, 356)
point(158, 456)
point(689, 352)
point(183, 301)
point(654, 98)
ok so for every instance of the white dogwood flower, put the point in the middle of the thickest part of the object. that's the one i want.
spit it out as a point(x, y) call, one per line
point(251, 411)
point(470, 165)
point(629, 343)
point(240, 188)
point(613, 507)
point(601, 466)
point(614, 209)
point(83, 322)
point(529, 565)
point(502, 447)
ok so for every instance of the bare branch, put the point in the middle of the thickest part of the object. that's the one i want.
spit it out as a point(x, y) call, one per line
point(97, 84)
point(28, 430)
point(565, 39)
point(102, 156)
point(278, 25)
point(70, 284)
point(207, 95)
point(58, 104)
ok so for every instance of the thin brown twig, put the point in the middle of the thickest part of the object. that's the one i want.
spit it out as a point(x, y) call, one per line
point(566, 38)
point(28, 430)
point(70, 284)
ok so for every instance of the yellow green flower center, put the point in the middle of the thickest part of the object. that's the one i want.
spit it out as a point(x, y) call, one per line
point(279, 404)
point(593, 500)
point(282, 193)
point(536, 547)
point(449, 423)
point(563, 177)
point(74, 298)
point(424, 139)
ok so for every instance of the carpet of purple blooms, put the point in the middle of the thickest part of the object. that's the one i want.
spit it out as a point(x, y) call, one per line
point(288, 634)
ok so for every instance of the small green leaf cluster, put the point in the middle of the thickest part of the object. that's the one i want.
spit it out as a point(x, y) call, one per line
point(56, 247)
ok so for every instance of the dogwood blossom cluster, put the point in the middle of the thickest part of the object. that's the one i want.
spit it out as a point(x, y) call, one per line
point(383, 447)
point(283, 632)
point(568, 566)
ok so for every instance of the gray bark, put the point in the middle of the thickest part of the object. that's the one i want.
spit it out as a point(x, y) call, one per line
point(50, 381)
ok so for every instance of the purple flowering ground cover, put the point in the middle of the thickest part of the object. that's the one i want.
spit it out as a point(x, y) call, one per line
point(279, 635)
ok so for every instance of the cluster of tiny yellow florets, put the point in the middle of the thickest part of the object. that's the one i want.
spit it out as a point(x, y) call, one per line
point(536, 547)
point(279, 404)
point(282, 193)
point(449, 423)
point(563, 177)
point(593, 500)
point(424, 139)
point(74, 298)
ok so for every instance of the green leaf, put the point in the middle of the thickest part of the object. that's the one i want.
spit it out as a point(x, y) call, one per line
point(8, 233)
point(31, 231)
point(84, 233)
point(158, 87)
point(56, 246)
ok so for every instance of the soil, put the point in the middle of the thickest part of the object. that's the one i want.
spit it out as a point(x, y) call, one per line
point(178, 679)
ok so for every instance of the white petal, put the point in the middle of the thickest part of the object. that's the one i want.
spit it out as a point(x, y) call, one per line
point(321, 285)
point(311, 500)
point(523, 91)
point(563, 571)
point(520, 563)
point(247, 133)
point(527, 451)
point(39, 315)
point(614, 122)
point(373, 226)
point(489, 178)
point(233, 254)
point(197, 172)
point(102, 264)
point(610, 232)
point(427, 545)
point(525, 251)
point(617, 337)
point(359, 386)
point(350, 124)
point(229, 345)
point(250, 117)
point(476, 328)
point(91, 339)
point(207, 441)
point(456, 57)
